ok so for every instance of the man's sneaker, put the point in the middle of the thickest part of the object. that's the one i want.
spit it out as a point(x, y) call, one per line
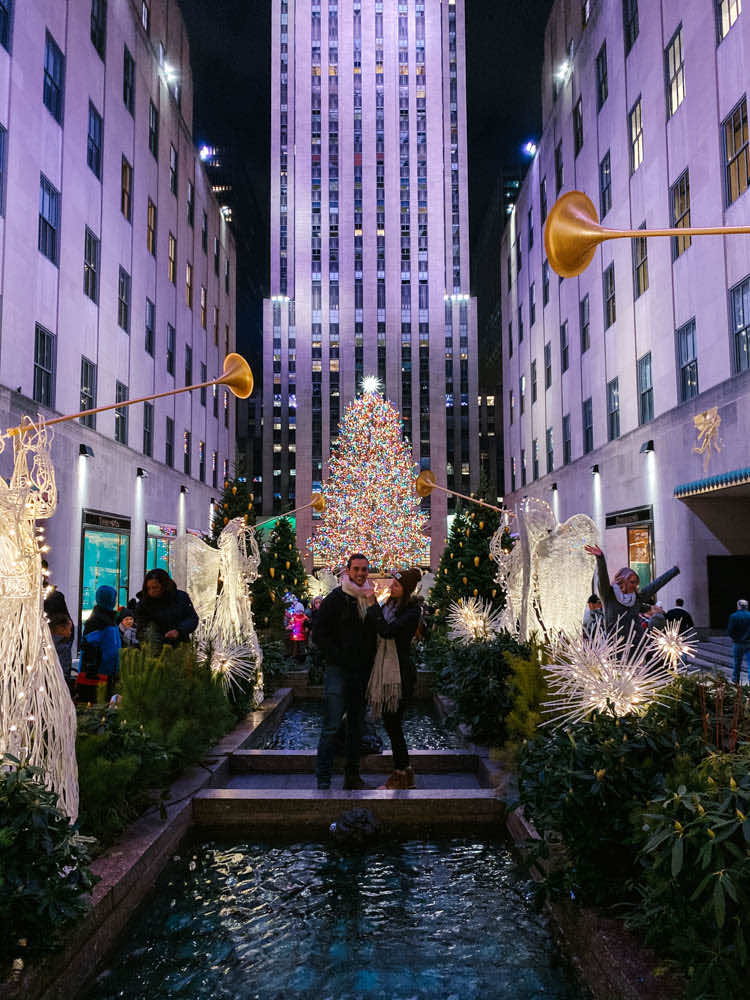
point(396, 782)
point(353, 783)
point(409, 778)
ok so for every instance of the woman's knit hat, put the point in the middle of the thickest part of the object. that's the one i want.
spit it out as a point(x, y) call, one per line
point(408, 578)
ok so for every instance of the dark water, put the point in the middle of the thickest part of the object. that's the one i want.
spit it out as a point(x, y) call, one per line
point(448, 919)
point(300, 729)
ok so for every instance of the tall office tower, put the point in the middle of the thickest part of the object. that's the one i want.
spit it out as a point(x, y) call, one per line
point(369, 241)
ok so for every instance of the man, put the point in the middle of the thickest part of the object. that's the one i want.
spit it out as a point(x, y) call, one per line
point(593, 616)
point(679, 614)
point(738, 628)
point(623, 599)
point(345, 634)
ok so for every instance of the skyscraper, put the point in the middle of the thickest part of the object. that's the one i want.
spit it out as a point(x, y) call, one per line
point(369, 240)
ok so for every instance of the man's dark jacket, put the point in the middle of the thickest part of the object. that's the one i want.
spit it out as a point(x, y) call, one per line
point(738, 627)
point(342, 636)
point(173, 610)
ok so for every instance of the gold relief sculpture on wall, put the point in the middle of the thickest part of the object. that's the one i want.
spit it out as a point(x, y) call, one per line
point(707, 425)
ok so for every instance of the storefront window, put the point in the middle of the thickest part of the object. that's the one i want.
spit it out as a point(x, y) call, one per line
point(105, 558)
point(641, 552)
point(159, 538)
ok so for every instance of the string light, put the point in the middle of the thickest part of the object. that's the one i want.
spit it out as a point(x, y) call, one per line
point(673, 646)
point(472, 620)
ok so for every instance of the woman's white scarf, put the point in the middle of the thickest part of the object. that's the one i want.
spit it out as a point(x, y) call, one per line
point(359, 593)
point(628, 600)
point(384, 689)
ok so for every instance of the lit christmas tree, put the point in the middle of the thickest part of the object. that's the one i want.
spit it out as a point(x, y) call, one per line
point(236, 501)
point(371, 504)
point(281, 572)
point(466, 570)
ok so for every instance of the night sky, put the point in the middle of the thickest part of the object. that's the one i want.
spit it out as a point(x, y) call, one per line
point(230, 48)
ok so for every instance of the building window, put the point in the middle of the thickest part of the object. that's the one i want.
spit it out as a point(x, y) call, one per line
point(535, 459)
point(578, 127)
point(226, 276)
point(172, 259)
point(216, 255)
point(123, 300)
point(740, 300)
point(586, 7)
point(566, 439)
point(584, 317)
point(188, 364)
point(153, 129)
point(49, 219)
point(214, 469)
point(54, 79)
point(150, 327)
point(126, 189)
point(675, 73)
point(204, 378)
point(148, 429)
point(216, 325)
point(44, 367)
point(587, 420)
point(121, 413)
point(635, 119)
point(3, 165)
point(630, 23)
point(88, 391)
point(146, 16)
point(99, 25)
point(645, 390)
point(128, 81)
point(532, 379)
point(186, 451)
point(564, 352)
point(511, 407)
point(608, 285)
point(6, 11)
point(688, 361)
point(545, 283)
point(91, 266)
point(680, 203)
point(736, 164)
point(548, 364)
point(171, 350)
point(190, 204)
point(204, 307)
point(602, 86)
point(543, 199)
point(521, 395)
point(550, 447)
point(215, 394)
point(189, 285)
point(613, 409)
point(523, 466)
point(532, 304)
point(530, 228)
point(640, 264)
point(151, 228)
point(558, 167)
point(169, 443)
point(94, 144)
point(202, 461)
point(605, 186)
point(727, 12)
point(173, 170)
point(520, 324)
point(204, 233)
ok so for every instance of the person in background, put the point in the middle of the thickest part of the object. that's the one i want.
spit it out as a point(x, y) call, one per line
point(163, 613)
point(679, 614)
point(61, 628)
point(100, 648)
point(593, 616)
point(126, 624)
point(655, 619)
point(394, 673)
point(738, 628)
point(623, 600)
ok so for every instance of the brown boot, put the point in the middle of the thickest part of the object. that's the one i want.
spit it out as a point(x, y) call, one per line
point(409, 778)
point(396, 782)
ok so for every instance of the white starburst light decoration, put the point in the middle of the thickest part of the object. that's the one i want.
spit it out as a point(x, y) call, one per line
point(673, 646)
point(604, 672)
point(232, 664)
point(371, 383)
point(472, 620)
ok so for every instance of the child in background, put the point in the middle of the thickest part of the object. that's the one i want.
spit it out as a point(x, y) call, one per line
point(100, 649)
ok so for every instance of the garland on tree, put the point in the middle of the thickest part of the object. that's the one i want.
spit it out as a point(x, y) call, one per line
point(281, 572)
point(371, 503)
point(466, 569)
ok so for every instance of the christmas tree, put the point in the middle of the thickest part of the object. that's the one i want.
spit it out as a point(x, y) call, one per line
point(466, 569)
point(371, 504)
point(236, 501)
point(281, 572)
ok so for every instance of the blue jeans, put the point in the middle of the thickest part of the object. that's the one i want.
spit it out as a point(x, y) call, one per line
point(344, 692)
point(741, 652)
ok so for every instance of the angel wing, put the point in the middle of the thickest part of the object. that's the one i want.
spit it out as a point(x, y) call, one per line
point(194, 566)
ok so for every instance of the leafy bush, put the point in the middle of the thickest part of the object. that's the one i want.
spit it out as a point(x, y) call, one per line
point(528, 690)
point(44, 880)
point(118, 763)
point(477, 677)
point(176, 700)
point(275, 663)
point(694, 883)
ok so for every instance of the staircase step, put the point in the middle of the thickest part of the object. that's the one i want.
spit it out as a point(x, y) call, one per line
point(313, 811)
point(303, 762)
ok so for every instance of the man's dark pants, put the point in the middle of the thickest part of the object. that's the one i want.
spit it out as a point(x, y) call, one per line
point(344, 694)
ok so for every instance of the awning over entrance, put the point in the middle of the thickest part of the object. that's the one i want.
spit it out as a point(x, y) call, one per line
point(737, 482)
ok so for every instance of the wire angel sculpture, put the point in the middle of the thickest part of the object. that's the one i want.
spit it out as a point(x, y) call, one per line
point(37, 716)
point(219, 581)
point(547, 574)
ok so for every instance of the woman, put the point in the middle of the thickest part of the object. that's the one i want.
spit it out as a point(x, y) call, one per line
point(624, 599)
point(394, 674)
point(163, 613)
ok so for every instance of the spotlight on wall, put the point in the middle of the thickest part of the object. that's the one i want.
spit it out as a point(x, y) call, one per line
point(529, 148)
point(86, 450)
point(647, 446)
point(141, 473)
point(594, 470)
point(554, 487)
point(184, 490)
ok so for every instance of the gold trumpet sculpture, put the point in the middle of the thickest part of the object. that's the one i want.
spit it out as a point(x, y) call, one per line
point(317, 502)
point(425, 483)
point(237, 377)
point(573, 233)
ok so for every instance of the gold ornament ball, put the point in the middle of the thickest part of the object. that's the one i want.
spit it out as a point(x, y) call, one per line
point(494, 592)
point(447, 586)
point(460, 545)
point(272, 572)
point(273, 596)
point(459, 565)
point(481, 525)
point(464, 580)
point(226, 520)
point(246, 518)
point(476, 560)
point(226, 483)
point(250, 506)
point(445, 571)
point(265, 620)
point(287, 564)
point(290, 547)
point(252, 497)
point(452, 556)
point(234, 491)
point(476, 592)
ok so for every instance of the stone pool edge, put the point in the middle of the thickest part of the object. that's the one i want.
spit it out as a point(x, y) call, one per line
point(128, 869)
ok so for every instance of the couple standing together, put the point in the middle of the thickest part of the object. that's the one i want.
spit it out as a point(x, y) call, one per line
point(368, 662)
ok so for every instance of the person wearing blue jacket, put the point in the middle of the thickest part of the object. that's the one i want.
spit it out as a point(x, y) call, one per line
point(738, 629)
point(100, 648)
